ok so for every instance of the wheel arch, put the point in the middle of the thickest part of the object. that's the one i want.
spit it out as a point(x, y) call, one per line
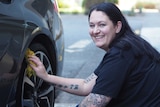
point(49, 45)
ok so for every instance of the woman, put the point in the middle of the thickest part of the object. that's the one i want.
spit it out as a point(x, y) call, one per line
point(128, 75)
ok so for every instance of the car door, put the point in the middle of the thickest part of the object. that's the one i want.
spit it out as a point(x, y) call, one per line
point(11, 40)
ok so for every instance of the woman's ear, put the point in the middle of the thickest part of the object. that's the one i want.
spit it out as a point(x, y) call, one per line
point(119, 26)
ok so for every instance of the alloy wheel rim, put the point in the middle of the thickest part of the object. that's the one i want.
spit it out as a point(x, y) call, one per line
point(35, 91)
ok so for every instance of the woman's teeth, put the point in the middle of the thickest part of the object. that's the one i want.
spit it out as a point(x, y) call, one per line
point(99, 37)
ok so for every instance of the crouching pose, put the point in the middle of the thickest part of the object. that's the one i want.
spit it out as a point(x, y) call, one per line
point(129, 73)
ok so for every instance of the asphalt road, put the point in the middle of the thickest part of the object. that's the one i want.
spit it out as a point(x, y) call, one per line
point(81, 55)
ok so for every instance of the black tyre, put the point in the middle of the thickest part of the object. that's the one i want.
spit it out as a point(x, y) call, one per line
point(33, 91)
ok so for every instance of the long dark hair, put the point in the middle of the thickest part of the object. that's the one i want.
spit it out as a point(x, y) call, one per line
point(126, 37)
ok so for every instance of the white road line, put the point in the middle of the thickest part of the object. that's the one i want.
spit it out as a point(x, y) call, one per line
point(78, 46)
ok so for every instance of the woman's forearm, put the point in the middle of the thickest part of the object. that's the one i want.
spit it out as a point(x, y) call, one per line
point(70, 85)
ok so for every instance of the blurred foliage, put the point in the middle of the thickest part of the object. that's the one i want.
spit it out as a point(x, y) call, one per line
point(88, 3)
point(113, 1)
point(69, 6)
point(146, 5)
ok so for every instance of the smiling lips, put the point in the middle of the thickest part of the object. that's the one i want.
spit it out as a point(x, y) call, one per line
point(99, 37)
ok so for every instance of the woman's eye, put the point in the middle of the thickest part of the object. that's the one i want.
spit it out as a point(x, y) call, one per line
point(102, 25)
point(91, 26)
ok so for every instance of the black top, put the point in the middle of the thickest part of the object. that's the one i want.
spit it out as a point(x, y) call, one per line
point(130, 80)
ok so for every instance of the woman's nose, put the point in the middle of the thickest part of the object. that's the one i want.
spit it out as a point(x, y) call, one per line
point(96, 30)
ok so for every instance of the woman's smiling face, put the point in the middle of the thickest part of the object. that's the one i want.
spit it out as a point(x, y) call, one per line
point(102, 29)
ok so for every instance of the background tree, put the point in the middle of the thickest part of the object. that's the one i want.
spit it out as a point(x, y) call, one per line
point(88, 3)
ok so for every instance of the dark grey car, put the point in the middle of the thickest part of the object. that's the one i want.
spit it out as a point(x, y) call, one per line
point(34, 24)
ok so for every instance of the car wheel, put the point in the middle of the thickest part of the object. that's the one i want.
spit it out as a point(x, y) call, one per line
point(33, 91)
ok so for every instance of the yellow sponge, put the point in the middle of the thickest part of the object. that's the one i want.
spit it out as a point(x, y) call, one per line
point(29, 70)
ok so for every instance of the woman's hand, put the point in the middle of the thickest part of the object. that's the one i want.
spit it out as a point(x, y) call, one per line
point(38, 67)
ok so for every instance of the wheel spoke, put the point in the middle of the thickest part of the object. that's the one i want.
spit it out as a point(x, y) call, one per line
point(45, 102)
point(49, 69)
point(45, 61)
point(28, 81)
point(46, 92)
point(39, 83)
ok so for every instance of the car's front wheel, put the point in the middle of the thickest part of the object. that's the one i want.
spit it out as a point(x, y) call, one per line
point(33, 91)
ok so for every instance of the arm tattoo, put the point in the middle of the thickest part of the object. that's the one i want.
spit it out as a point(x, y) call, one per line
point(75, 87)
point(72, 86)
point(92, 76)
point(95, 100)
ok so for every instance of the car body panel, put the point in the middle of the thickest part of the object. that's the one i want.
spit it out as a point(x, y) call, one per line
point(21, 23)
